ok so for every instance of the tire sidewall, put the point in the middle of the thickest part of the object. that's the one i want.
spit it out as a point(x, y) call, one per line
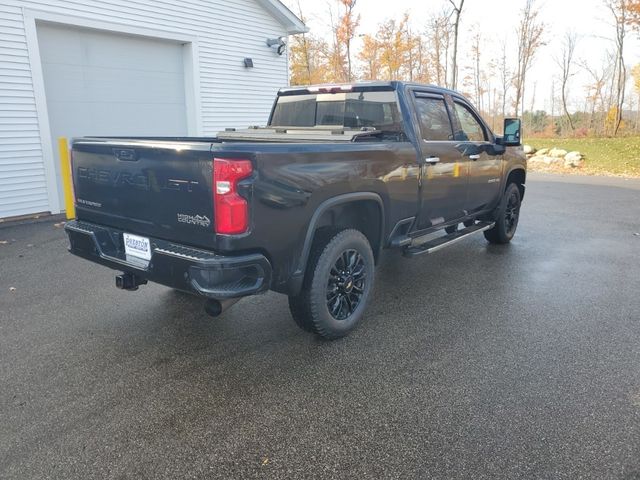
point(325, 323)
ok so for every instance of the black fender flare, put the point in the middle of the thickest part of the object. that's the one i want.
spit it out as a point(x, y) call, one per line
point(511, 170)
point(301, 264)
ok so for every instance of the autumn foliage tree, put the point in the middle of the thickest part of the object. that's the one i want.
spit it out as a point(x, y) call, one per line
point(307, 58)
point(345, 32)
point(395, 52)
point(634, 13)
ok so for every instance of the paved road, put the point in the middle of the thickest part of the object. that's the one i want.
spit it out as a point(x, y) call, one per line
point(478, 362)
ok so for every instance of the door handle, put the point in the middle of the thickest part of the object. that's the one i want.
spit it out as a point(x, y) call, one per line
point(474, 157)
point(432, 160)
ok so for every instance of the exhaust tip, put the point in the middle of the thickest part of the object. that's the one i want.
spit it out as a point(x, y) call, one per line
point(215, 307)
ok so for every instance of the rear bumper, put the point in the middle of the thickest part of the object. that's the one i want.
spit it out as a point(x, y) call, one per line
point(177, 266)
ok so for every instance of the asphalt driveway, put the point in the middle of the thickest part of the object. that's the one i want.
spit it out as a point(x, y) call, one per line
point(477, 362)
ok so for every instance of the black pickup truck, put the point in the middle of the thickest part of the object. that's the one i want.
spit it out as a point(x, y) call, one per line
point(303, 206)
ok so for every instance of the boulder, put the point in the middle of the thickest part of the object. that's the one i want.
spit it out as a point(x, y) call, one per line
point(557, 153)
point(542, 152)
point(528, 149)
point(573, 160)
point(573, 156)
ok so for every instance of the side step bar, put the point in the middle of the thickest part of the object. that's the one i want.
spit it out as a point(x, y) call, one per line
point(447, 240)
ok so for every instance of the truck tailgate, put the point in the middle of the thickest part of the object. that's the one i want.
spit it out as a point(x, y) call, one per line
point(160, 189)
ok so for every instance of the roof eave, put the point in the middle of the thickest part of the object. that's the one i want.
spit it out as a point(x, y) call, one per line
point(286, 17)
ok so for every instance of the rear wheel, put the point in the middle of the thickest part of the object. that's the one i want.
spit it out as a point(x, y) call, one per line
point(507, 217)
point(337, 286)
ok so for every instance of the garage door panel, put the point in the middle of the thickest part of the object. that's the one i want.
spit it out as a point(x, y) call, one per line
point(86, 84)
point(86, 47)
point(119, 119)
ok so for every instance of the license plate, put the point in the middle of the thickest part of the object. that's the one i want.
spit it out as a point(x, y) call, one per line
point(137, 246)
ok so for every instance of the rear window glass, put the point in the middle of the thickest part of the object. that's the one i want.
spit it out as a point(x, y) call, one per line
point(351, 110)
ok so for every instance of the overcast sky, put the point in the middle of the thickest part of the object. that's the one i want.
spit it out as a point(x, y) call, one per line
point(498, 19)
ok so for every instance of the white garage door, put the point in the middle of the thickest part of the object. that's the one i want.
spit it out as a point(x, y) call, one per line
point(101, 83)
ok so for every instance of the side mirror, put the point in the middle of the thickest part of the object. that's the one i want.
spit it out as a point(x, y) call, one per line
point(512, 132)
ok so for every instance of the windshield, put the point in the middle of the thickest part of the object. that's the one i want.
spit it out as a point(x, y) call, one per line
point(356, 110)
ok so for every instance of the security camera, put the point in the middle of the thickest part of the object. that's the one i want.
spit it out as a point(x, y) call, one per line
point(278, 44)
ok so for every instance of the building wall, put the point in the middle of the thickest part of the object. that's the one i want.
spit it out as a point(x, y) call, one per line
point(224, 93)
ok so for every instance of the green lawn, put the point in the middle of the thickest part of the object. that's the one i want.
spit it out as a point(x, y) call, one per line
point(612, 156)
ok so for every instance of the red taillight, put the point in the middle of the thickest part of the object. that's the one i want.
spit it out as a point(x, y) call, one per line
point(231, 210)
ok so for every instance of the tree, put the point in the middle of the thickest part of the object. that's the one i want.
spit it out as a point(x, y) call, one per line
point(336, 57)
point(307, 58)
point(505, 77)
point(439, 34)
point(346, 31)
point(477, 71)
point(619, 11)
point(369, 56)
point(596, 93)
point(394, 53)
point(530, 39)
point(565, 62)
point(634, 13)
point(635, 72)
point(392, 49)
point(457, 12)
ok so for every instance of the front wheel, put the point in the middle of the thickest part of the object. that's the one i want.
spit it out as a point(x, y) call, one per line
point(337, 286)
point(507, 217)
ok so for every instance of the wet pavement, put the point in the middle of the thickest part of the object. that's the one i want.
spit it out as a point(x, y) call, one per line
point(518, 361)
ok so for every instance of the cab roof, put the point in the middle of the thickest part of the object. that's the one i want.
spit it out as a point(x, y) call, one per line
point(362, 86)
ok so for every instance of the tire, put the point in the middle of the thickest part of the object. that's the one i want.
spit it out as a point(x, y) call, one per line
point(507, 217)
point(337, 286)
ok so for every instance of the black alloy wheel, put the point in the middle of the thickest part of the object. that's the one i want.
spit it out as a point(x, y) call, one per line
point(346, 284)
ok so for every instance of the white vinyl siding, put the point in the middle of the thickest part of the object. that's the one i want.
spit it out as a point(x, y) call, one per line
point(223, 33)
point(23, 187)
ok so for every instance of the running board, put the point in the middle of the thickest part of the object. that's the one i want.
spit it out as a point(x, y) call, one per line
point(447, 240)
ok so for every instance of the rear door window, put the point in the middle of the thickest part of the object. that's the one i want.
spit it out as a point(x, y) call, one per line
point(435, 124)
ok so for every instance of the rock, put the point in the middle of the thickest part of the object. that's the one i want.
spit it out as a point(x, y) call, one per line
point(528, 149)
point(573, 160)
point(557, 152)
point(542, 152)
point(573, 164)
point(573, 156)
